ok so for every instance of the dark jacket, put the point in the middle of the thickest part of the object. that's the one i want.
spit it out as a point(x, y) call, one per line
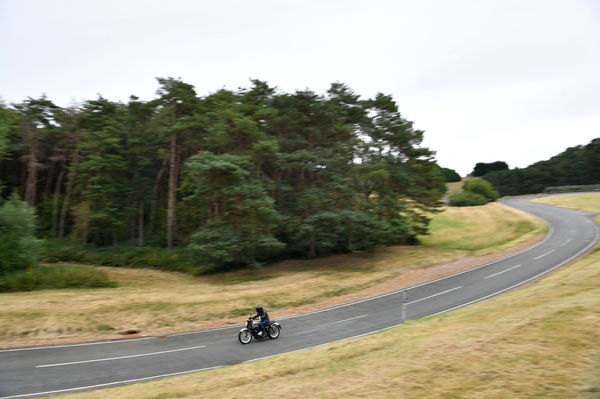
point(264, 316)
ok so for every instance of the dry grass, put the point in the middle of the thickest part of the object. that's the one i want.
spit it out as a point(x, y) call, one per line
point(479, 228)
point(160, 302)
point(583, 202)
point(454, 187)
point(540, 341)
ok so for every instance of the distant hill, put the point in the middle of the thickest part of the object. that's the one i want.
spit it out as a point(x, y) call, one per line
point(576, 165)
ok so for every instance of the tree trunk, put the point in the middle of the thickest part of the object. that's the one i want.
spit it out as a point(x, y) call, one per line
point(68, 189)
point(49, 180)
point(171, 199)
point(154, 203)
point(31, 183)
point(140, 241)
point(59, 180)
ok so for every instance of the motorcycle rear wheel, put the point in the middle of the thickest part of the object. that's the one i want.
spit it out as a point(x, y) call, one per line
point(245, 337)
point(274, 331)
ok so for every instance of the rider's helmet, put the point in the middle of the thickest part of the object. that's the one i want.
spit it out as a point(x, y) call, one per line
point(259, 309)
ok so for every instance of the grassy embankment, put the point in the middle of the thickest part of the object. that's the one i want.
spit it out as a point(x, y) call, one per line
point(540, 341)
point(589, 202)
point(159, 302)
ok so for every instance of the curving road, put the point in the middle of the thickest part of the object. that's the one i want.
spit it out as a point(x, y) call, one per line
point(37, 371)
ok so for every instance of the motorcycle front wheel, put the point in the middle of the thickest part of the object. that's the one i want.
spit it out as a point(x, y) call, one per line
point(274, 331)
point(245, 337)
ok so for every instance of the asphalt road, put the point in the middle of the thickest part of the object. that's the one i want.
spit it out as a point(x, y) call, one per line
point(37, 371)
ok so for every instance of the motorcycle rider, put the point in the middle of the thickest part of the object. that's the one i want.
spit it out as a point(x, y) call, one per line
point(264, 320)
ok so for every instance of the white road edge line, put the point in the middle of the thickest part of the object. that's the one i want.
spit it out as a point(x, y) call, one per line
point(80, 344)
point(108, 384)
point(434, 295)
point(120, 357)
point(544, 254)
point(503, 271)
point(564, 262)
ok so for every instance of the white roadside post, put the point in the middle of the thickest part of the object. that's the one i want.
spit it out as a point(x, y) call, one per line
point(404, 304)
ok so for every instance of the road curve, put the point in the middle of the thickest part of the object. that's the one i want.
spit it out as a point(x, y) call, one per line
point(36, 371)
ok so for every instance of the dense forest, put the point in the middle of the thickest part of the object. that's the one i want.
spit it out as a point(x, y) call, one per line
point(578, 165)
point(234, 177)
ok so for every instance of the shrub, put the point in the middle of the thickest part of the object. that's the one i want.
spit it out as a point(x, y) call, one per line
point(55, 276)
point(467, 198)
point(450, 175)
point(19, 249)
point(144, 257)
point(481, 187)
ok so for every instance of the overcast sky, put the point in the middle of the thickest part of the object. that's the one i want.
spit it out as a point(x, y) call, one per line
point(517, 81)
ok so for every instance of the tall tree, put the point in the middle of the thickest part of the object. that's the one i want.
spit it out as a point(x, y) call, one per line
point(37, 117)
point(102, 173)
point(143, 143)
point(9, 120)
point(177, 105)
point(239, 216)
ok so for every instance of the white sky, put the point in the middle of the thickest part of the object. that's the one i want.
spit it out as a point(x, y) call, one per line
point(516, 81)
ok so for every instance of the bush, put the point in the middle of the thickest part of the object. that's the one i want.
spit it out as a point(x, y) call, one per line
point(55, 276)
point(467, 198)
point(19, 249)
point(144, 257)
point(450, 175)
point(481, 187)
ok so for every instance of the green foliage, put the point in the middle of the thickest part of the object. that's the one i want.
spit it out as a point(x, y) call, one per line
point(475, 192)
point(19, 249)
point(55, 276)
point(481, 187)
point(146, 257)
point(102, 175)
point(578, 165)
point(8, 126)
point(450, 175)
point(467, 198)
point(240, 223)
point(234, 178)
point(482, 168)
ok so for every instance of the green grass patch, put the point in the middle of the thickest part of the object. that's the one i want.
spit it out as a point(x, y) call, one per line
point(55, 276)
point(104, 327)
point(443, 223)
point(480, 228)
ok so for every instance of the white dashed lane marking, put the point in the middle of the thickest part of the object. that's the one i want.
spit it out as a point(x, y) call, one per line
point(503, 271)
point(434, 295)
point(544, 254)
point(120, 357)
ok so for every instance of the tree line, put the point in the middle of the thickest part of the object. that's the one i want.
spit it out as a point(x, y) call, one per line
point(579, 165)
point(236, 177)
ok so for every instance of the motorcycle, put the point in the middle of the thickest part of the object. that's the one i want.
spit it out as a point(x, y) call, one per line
point(252, 330)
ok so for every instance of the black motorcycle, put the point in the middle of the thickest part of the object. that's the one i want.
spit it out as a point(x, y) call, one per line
point(252, 330)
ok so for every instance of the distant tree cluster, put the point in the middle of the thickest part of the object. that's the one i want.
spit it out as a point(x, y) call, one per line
point(237, 177)
point(576, 165)
point(450, 175)
point(482, 168)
